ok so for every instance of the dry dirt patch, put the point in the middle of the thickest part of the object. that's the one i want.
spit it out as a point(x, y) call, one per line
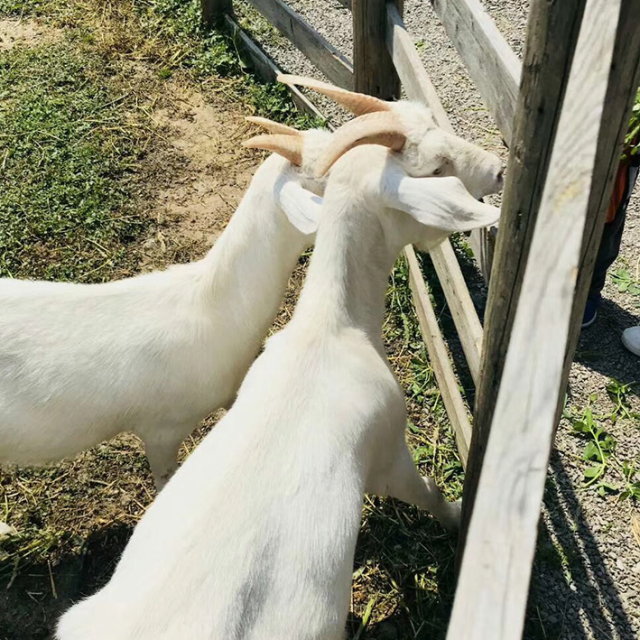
point(27, 33)
point(209, 174)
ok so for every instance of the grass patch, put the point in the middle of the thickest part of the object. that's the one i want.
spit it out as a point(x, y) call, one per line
point(66, 153)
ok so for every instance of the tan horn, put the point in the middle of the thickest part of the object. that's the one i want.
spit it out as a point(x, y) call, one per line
point(373, 128)
point(289, 147)
point(358, 103)
point(273, 127)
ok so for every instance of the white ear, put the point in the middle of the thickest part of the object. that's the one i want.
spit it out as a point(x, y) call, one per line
point(301, 207)
point(442, 203)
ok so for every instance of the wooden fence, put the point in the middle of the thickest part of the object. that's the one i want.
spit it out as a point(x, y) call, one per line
point(563, 113)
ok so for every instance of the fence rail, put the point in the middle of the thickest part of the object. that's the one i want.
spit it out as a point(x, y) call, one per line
point(321, 52)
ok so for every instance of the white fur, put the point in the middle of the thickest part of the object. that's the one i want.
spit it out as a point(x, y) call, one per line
point(254, 536)
point(157, 353)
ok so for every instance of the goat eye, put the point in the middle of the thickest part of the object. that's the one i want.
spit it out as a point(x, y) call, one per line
point(438, 171)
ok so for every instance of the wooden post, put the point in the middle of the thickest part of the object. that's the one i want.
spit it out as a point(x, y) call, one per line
point(551, 39)
point(373, 68)
point(494, 579)
point(624, 79)
point(214, 10)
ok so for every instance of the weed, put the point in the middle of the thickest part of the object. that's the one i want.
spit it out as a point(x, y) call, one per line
point(618, 392)
point(598, 450)
point(631, 485)
point(625, 281)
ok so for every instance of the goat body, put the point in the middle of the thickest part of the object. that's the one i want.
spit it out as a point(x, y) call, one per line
point(153, 354)
point(254, 536)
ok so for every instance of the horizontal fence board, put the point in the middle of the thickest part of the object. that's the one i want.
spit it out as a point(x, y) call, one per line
point(319, 51)
point(490, 61)
point(266, 68)
point(493, 586)
point(446, 377)
point(420, 88)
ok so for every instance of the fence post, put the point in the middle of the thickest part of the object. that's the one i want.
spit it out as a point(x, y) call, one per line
point(213, 10)
point(551, 39)
point(373, 69)
point(493, 586)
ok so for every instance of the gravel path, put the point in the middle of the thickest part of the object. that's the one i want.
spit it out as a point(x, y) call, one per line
point(586, 581)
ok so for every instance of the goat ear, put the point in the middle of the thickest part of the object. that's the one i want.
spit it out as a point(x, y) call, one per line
point(440, 203)
point(301, 207)
point(287, 146)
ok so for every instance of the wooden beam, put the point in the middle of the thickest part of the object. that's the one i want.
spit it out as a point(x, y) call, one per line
point(490, 61)
point(493, 585)
point(319, 51)
point(374, 72)
point(447, 381)
point(551, 38)
point(625, 77)
point(214, 10)
point(418, 86)
point(266, 68)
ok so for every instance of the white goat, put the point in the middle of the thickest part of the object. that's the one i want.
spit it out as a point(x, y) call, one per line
point(157, 353)
point(254, 536)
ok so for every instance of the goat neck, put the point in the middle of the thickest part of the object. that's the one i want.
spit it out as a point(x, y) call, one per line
point(347, 278)
point(251, 262)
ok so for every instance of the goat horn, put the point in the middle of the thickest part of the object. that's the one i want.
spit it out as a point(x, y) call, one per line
point(287, 146)
point(373, 128)
point(273, 127)
point(358, 103)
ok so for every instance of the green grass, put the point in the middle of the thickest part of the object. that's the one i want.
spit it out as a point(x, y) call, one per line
point(66, 151)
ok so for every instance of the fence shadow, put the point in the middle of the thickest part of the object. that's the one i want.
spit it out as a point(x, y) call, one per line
point(573, 596)
point(32, 602)
point(409, 561)
point(600, 348)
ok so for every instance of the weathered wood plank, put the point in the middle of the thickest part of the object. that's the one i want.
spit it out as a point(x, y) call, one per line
point(625, 76)
point(493, 584)
point(214, 10)
point(418, 86)
point(374, 72)
point(551, 37)
point(321, 52)
point(447, 381)
point(490, 61)
point(266, 68)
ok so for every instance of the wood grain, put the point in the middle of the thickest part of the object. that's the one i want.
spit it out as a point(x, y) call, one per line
point(373, 67)
point(493, 585)
point(551, 39)
point(319, 51)
point(490, 61)
point(214, 10)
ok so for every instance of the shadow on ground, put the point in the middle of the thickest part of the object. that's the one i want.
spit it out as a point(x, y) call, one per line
point(31, 604)
point(573, 594)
